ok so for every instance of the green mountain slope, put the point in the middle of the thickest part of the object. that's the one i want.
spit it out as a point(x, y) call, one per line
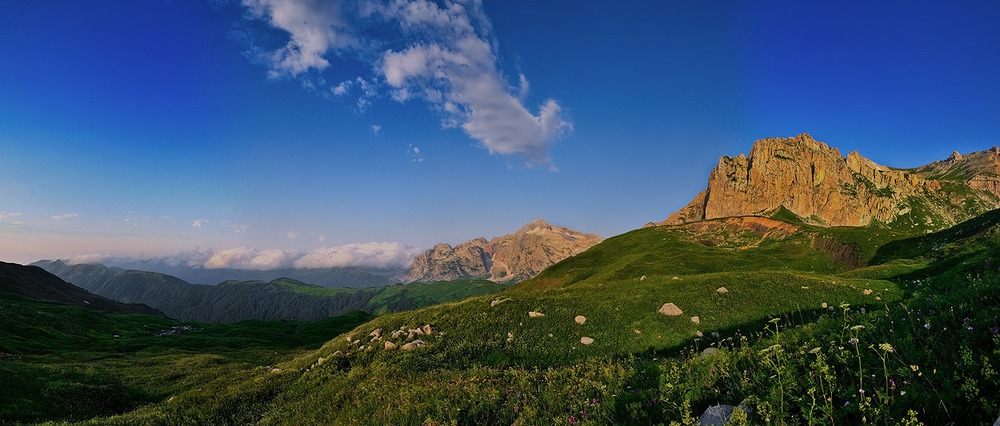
point(827, 326)
point(232, 300)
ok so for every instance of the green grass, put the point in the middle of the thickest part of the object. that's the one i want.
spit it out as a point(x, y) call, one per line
point(418, 295)
point(911, 338)
point(66, 363)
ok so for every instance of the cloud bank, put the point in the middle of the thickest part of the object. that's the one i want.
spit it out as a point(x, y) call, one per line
point(441, 52)
point(381, 255)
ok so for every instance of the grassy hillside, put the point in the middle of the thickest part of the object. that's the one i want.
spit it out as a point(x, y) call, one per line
point(800, 335)
point(281, 298)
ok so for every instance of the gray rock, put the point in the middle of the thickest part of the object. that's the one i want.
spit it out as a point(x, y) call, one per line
point(720, 414)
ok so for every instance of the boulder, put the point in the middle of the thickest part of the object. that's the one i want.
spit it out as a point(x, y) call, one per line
point(389, 345)
point(720, 414)
point(414, 344)
point(670, 310)
point(696, 319)
point(722, 290)
point(534, 314)
point(580, 319)
point(586, 340)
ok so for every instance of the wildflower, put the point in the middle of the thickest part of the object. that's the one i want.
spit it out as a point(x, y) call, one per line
point(824, 305)
point(853, 341)
point(814, 350)
point(867, 291)
point(846, 403)
point(969, 328)
point(857, 327)
point(927, 325)
point(886, 347)
point(914, 367)
point(863, 311)
point(902, 392)
point(861, 391)
point(994, 331)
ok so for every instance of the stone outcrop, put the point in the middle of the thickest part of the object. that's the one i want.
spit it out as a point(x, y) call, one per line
point(816, 183)
point(509, 258)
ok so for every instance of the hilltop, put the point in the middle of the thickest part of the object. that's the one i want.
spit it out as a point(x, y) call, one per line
point(509, 258)
point(35, 283)
point(816, 183)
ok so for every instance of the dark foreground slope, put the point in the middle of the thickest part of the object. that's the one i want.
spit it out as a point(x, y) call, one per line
point(61, 362)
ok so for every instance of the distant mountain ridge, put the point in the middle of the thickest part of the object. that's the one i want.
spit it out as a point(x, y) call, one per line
point(333, 277)
point(815, 182)
point(509, 258)
point(236, 300)
point(36, 283)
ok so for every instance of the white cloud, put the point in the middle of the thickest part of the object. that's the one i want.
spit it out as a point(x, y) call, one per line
point(441, 52)
point(198, 223)
point(376, 128)
point(248, 258)
point(379, 255)
point(314, 26)
point(414, 152)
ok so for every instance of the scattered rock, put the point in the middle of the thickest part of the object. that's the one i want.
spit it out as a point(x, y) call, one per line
point(722, 290)
point(699, 333)
point(676, 278)
point(586, 340)
point(642, 278)
point(670, 310)
point(510, 336)
point(636, 331)
point(338, 353)
point(389, 345)
point(498, 301)
point(696, 319)
point(534, 314)
point(715, 335)
point(398, 333)
point(867, 291)
point(321, 360)
point(708, 352)
point(376, 334)
point(427, 329)
point(823, 305)
point(720, 414)
point(275, 370)
point(580, 319)
point(414, 344)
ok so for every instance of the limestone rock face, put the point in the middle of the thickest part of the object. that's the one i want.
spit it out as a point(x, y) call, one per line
point(509, 258)
point(816, 183)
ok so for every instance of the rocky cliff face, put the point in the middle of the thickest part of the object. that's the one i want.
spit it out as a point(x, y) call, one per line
point(815, 182)
point(509, 258)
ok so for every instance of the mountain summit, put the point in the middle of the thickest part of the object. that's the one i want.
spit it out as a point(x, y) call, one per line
point(509, 258)
point(815, 182)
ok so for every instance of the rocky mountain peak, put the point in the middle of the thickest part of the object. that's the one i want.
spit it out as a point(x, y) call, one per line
point(814, 181)
point(508, 258)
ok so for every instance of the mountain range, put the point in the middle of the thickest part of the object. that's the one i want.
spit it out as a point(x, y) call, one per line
point(801, 287)
point(816, 183)
point(509, 258)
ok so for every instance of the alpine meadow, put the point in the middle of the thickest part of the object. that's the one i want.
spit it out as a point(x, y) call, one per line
point(479, 212)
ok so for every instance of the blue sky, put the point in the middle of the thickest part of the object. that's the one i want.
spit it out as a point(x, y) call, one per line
point(259, 133)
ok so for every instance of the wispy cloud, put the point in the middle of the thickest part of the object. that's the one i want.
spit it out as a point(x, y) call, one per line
point(443, 53)
point(198, 223)
point(10, 218)
point(65, 217)
point(414, 152)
